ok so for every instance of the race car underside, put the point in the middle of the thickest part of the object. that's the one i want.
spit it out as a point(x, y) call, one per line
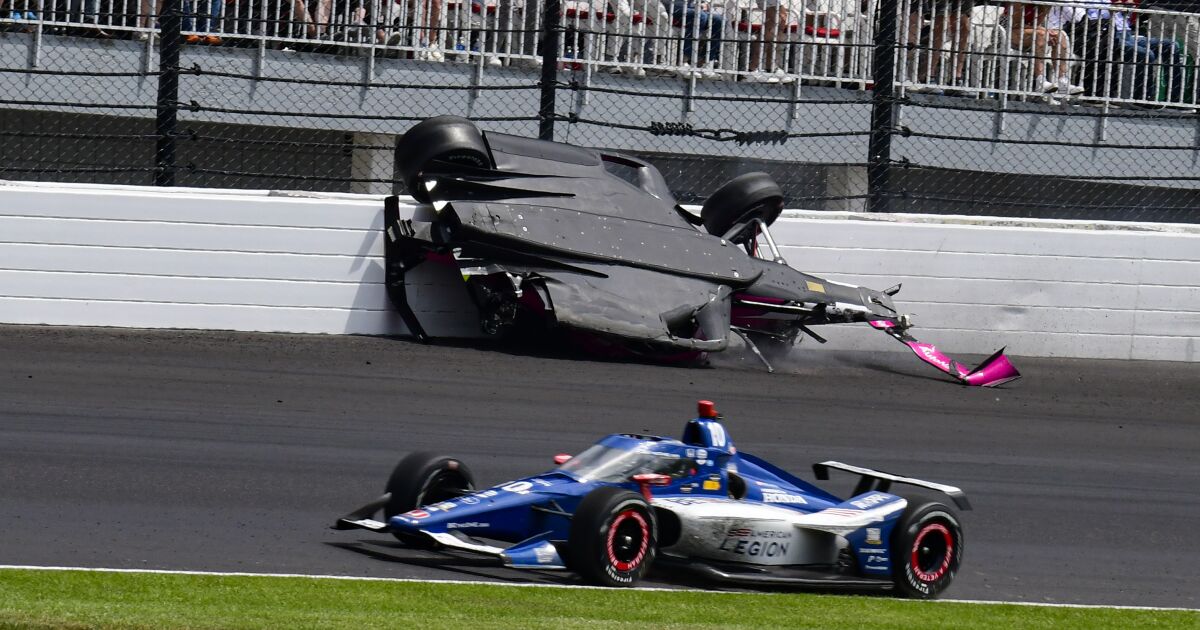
point(669, 315)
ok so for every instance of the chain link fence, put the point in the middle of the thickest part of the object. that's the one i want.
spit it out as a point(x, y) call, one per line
point(1082, 110)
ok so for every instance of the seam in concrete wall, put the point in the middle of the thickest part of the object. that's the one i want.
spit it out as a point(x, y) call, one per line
point(253, 260)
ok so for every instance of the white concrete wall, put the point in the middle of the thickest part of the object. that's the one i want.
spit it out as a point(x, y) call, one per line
point(1042, 288)
point(253, 260)
point(135, 257)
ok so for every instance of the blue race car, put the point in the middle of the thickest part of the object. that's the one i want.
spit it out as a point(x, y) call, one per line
point(630, 501)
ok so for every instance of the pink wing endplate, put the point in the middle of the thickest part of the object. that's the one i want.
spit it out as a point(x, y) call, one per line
point(995, 370)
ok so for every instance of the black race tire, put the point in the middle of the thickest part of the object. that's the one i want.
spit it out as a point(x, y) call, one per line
point(743, 198)
point(449, 140)
point(421, 479)
point(613, 538)
point(927, 549)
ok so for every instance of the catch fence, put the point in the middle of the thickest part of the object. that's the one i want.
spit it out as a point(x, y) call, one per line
point(1039, 109)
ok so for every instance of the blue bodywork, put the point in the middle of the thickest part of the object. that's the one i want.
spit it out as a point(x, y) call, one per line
point(533, 513)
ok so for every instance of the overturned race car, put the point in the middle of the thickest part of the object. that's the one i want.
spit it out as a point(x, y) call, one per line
point(699, 504)
point(594, 244)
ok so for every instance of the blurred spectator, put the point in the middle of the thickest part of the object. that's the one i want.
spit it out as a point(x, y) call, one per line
point(775, 35)
point(627, 34)
point(148, 18)
point(1184, 27)
point(1110, 46)
point(426, 15)
point(89, 15)
point(699, 20)
point(19, 11)
point(203, 17)
point(270, 18)
point(954, 15)
point(345, 20)
point(1038, 29)
point(518, 24)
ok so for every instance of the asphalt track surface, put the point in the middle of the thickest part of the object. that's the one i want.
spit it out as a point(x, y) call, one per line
point(235, 452)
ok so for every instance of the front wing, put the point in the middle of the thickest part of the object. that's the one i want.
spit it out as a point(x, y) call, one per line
point(536, 552)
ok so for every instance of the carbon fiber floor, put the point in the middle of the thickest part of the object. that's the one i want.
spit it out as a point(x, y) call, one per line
point(222, 451)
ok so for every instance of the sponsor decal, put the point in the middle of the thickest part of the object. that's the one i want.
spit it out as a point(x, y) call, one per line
point(417, 514)
point(517, 487)
point(687, 488)
point(468, 525)
point(469, 500)
point(775, 496)
point(710, 484)
point(870, 550)
point(814, 286)
point(444, 506)
point(755, 548)
point(690, 500)
point(930, 354)
point(870, 501)
point(875, 559)
point(746, 532)
point(874, 536)
point(487, 494)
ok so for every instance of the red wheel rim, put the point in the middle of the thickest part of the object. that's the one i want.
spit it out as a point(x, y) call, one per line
point(628, 540)
point(932, 550)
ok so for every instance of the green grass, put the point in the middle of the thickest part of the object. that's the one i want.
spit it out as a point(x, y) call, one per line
point(78, 599)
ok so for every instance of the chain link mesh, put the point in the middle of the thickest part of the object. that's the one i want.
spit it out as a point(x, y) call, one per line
point(1083, 109)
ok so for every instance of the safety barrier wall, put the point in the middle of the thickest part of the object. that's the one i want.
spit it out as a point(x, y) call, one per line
point(261, 261)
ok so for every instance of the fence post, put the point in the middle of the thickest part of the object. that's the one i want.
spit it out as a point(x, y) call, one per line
point(550, 39)
point(879, 147)
point(169, 43)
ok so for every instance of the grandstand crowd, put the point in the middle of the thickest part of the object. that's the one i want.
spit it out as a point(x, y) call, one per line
point(1140, 53)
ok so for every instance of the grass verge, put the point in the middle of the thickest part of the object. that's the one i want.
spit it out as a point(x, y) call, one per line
point(78, 599)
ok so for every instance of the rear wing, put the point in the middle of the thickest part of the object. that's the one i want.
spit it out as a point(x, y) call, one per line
point(875, 480)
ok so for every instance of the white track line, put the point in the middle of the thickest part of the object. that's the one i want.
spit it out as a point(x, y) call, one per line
point(532, 585)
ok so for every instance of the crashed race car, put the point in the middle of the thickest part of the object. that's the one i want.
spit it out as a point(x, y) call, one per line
point(552, 236)
point(632, 501)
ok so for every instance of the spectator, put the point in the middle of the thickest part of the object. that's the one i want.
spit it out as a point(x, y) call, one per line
point(519, 33)
point(942, 14)
point(205, 24)
point(90, 16)
point(628, 31)
point(1109, 43)
point(350, 17)
point(19, 11)
point(428, 13)
point(1037, 28)
point(1183, 26)
point(776, 22)
point(147, 18)
point(699, 20)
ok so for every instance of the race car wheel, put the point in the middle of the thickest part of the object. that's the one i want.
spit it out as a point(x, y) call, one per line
point(449, 140)
point(927, 548)
point(422, 479)
point(745, 197)
point(613, 537)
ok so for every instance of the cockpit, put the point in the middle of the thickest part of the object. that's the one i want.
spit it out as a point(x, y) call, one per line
point(617, 465)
